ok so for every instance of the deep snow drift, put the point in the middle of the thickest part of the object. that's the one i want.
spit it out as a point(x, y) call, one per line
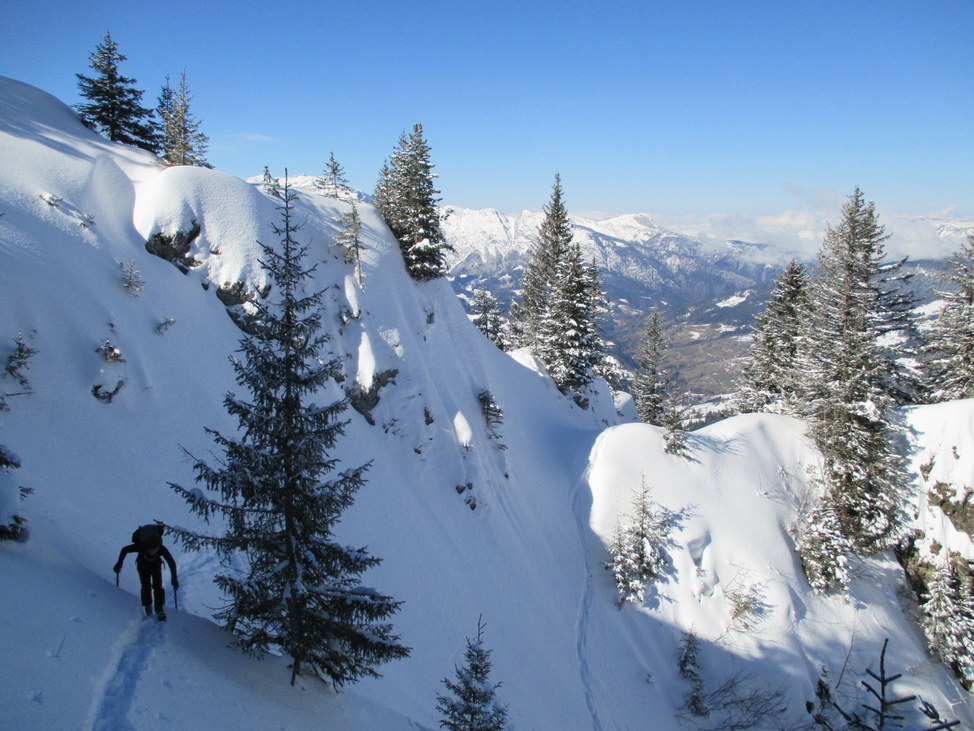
point(529, 558)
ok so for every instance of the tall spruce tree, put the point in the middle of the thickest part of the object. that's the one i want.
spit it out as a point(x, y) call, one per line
point(561, 304)
point(114, 106)
point(952, 343)
point(181, 140)
point(472, 704)
point(842, 359)
point(541, 274)
point(771, 379)
point(300, 591)
point(565, 335)
point(333, 182)
point(406, 197)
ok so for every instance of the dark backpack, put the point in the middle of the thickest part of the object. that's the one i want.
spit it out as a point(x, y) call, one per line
point(145, 534)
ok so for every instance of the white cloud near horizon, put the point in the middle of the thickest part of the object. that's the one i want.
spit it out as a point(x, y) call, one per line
point(797, 232)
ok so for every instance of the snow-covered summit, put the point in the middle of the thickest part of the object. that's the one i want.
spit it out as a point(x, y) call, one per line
point(490, 235)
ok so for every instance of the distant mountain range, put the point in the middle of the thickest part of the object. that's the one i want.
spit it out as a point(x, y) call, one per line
point(707, 293)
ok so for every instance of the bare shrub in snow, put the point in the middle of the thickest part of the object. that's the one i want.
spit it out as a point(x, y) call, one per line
point(746, 601)
point(740, 701)
point(880, 709)
point(109, 352)
point(102, 395)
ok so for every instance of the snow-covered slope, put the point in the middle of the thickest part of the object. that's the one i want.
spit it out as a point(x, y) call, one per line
point(528, 559)
point(734, 578)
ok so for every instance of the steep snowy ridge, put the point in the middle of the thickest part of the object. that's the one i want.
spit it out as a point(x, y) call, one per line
point(512, 529)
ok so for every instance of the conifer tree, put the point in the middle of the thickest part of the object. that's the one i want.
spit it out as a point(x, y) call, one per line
point(269, 182)
point(541, 275)
point(597, 309)
point(182, 142)
point(12, 525)
point(561, 304)
point(689, 666)
point(564, 335)
point(903, 375)
point(300, 591)
point(675, 437)
point(114, 106)
point(823, 548)
point(651, 387)
point(952, 342)
point(771, 379)
point(638, 549)
point(406, 197)
point(650, 382)
point(383, 196)
point(842, 360)
point(350, 241)
point(488, 318)
point(333, 182)
point(948, 621)
point(472, 705)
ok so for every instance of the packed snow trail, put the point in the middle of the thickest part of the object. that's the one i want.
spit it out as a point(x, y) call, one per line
point(582, 504)
point(113, 703)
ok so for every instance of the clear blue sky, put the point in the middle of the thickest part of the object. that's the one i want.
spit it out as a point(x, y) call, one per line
point(675, 108)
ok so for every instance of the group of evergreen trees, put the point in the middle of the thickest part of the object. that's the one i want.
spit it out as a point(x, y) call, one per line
point(841, 349)
point(561, 304)
point(830, 348)
point(114, 109)
point(948, 615)
point(406, 197)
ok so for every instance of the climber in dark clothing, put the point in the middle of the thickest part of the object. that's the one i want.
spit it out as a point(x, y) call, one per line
point(149, 563)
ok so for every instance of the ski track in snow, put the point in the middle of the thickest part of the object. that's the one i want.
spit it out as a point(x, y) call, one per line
point(585, 606)
point(112, 705)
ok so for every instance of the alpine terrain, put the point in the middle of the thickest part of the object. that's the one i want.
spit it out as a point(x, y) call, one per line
point(500, 511)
